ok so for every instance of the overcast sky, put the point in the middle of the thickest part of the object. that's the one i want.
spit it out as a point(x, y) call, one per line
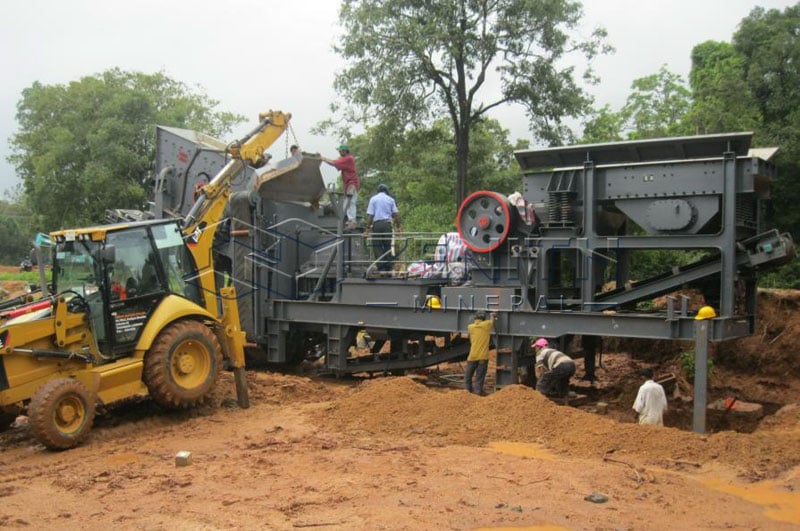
point(254, 55)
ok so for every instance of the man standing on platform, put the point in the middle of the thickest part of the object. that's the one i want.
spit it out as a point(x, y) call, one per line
point(382, 215)
point(346, 163)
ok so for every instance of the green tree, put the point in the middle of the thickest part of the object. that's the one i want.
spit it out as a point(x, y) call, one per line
point(16, 233)
point(419, 166)
point(604, 125)
point(722, 101)
point(657, 105)
point(410, 61)
point(769, 43)
point(86, 146)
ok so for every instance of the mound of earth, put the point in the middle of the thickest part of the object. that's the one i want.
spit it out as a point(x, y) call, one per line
point(402, 407)
point(390, 453)
point(770, 351)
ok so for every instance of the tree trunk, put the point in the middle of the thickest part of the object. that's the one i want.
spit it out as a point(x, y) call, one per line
point(462, 154)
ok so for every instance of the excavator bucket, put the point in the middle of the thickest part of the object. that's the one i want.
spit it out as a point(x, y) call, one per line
point(293, 180)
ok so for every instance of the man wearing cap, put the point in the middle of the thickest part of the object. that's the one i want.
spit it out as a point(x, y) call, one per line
point(382, 215)
point(346, 163)
point(556, 368)
point(480, 333)
point(651, 401)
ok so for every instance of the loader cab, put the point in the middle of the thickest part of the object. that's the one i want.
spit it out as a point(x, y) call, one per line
point(123, 272)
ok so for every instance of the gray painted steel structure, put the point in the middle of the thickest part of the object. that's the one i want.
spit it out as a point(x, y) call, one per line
point(303, 285)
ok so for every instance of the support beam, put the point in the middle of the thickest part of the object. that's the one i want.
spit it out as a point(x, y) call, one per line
point(700, 375)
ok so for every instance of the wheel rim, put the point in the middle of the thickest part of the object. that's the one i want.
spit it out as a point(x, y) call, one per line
point(70, 414)
point(190, 364)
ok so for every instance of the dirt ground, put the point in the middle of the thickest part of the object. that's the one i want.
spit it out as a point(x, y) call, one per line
point(394, 453)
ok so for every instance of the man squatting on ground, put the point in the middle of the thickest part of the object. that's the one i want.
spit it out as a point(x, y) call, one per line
point(480, 333)
point(651, 401)
point(556, 367)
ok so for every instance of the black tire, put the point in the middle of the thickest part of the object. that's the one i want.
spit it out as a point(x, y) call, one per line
point(181, 368)
point(61, 413)
point(6, 420)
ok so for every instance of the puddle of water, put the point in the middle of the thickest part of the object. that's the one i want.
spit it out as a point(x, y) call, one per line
point(522, 450)
point(778, 504)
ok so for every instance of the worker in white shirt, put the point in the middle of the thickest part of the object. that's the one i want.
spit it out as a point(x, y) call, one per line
point(651, 401)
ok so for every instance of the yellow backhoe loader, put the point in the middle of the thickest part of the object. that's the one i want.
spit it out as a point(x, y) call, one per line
point(136, 311)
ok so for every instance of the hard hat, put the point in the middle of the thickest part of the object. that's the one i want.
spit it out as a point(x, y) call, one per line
point(344, 147)
point(706, 312)
point(541, 342)
point(481, 316)
point(433, 302)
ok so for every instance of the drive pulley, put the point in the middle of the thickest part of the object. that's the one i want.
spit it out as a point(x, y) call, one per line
point(484, 221)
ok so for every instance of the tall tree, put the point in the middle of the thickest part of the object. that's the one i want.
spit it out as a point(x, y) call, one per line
point(722, 101)
point(16, 233)
point(86, 146)
point(604, 125)
point(769, 43)
point(419, 165)
point(412, 60)
point(657, 105)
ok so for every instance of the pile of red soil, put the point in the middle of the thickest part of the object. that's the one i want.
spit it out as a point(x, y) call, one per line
point(402, 407)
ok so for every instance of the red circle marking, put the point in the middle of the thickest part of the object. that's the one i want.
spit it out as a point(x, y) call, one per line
point(483, 223)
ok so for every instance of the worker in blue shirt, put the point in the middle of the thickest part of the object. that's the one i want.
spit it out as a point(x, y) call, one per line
point(382, 215)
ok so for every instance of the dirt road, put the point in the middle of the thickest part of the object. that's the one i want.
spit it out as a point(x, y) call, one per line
point(391, 453)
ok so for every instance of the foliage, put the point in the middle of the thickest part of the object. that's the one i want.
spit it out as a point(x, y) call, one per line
point(687, 362)
point(656, 106)
point(411, 61)
point(650, 263)
point(15, 232)
point(604, 125)
point(418, 167)
point(722, 101)
point(85, 147)
point(769, 44)
point(31, 277)
point(786, 277)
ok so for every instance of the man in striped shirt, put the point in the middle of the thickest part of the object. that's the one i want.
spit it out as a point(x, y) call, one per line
point(556, 368)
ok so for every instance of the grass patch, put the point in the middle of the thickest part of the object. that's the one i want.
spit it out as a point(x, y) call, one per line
point(27, 276)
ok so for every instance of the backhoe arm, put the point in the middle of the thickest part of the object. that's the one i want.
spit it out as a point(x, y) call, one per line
point(200, 226)
point(201, 222)
point(249, 150)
